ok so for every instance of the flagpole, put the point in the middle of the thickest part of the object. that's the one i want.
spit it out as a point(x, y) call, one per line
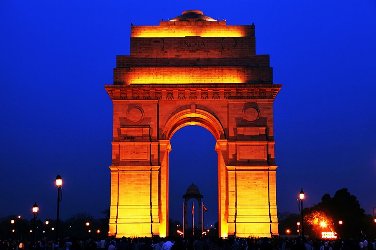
point(193, 218)
point(183, 219)
point(202, 218)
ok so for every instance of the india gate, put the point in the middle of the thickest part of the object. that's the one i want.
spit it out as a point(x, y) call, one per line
point(193, 70)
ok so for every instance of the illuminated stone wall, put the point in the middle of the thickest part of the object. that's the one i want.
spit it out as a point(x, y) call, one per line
point(214, 80)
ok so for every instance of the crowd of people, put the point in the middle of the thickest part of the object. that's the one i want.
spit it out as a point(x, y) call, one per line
point(188, 244)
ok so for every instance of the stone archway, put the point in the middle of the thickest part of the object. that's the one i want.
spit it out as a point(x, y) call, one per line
point(193, 70)
point(193, 116)
point(188, 115)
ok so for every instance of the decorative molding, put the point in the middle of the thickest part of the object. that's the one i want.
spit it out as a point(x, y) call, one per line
point(178, 91)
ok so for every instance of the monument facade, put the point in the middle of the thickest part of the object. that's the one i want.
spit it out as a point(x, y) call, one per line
point(193, 70)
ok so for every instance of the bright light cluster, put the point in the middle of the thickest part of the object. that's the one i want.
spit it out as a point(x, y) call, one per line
point(322, 224)
point(328, 235)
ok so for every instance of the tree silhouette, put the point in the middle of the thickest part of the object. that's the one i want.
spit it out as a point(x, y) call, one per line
point(344, 207)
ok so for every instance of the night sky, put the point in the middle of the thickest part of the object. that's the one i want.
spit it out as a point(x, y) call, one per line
point(56, 118)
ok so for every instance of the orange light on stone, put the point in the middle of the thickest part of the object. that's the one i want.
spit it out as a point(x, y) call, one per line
point(181, 31)
point(168, 75)
point(192, 91)
point(134, 219)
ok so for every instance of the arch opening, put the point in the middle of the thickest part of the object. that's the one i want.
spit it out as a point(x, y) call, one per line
point(198, 117)
point(196, 146)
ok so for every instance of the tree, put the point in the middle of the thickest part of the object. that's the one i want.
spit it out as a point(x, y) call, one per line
point(344, 207)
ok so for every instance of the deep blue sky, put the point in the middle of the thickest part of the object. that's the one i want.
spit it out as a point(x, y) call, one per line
point(56, 118)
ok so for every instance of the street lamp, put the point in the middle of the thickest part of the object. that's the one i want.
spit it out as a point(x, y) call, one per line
point(15, 224)
point(298, 226)
point(59, 184)
point(88, 228)
point(340, 223)
point(301, 199)
point(12, 222)
point(47, 224)
point(35, 210)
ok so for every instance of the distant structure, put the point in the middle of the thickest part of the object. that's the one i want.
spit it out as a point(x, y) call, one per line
point(193, 193)
point(193, 70)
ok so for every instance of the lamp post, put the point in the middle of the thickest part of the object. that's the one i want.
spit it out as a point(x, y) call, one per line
point(298, 226)
point(47, 222)
point(59, 184)
point(35, 210)
point(340, 223)
point(87, 224)
point(12, 222)
point(15, 226)
point(301, 199)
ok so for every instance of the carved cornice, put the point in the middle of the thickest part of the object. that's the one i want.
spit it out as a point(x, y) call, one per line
point(192, 91)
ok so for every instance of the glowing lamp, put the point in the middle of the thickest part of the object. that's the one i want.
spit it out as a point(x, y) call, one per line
point(374, 220)
point(87, 224)
point(35, 208)
point(98, 231)
point(288, 231)
point(19, 216)
point(59, 184)
point(11, 221)
point(47, 222)
point(301, 199)
point(59, 181)
point(340, 222)
point(298, 223)
point(301, 195)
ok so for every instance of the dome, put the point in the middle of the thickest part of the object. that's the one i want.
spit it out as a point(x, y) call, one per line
point(192, 15)
point(192, 192)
